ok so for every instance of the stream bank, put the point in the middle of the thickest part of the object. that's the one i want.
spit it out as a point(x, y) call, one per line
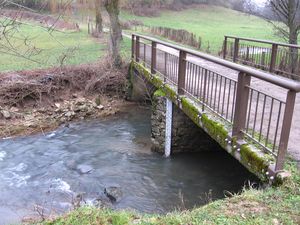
point(38, 101)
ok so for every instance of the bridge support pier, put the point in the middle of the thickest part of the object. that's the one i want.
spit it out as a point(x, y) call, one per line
point(174, 132)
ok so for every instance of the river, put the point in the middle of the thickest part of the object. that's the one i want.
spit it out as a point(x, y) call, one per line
point(87, 157)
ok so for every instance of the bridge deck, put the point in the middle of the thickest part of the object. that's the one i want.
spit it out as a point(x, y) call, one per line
point(216, 86)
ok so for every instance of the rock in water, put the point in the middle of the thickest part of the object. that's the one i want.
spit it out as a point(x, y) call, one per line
point(84, 169)
point(113, 193)
point(102, 202)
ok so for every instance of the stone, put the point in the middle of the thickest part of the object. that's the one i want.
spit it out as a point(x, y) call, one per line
point(102, 202)
point(14, 109)
point(83, 108)
point(6, 114)
point(71, 164)
point(113, 193)
point(69, 114)
point(57, 105)
point(100, 107)
point(84, 169)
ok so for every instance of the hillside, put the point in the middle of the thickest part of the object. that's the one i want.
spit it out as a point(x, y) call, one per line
point(211, 23)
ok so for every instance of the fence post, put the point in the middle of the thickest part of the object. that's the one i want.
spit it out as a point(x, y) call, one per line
point(137, 49)
point(225, 48)
point(181, 72)
point(285, 130)
point(132, 46)
point(273, 57)
point(236, 49)
point(153, 57)
point(241, 105)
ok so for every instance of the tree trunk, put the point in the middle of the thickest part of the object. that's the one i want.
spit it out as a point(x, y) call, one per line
point(293, 36)
point(99, 26)
point(112, 7)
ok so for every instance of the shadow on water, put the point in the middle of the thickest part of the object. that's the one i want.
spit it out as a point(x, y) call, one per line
point(87, 157)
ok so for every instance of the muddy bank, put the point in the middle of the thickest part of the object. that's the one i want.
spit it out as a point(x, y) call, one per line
point(41, 100)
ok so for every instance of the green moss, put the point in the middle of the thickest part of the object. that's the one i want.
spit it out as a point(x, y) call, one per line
point(159, 93)
point(190, 109)
point(215, 130)
point(172, 95)
point(258, 165)
point(154, 79)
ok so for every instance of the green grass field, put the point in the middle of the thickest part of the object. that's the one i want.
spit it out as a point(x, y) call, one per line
point(77, 46)
point(211, 23)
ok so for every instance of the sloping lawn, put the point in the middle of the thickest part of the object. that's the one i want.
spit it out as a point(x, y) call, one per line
point(211, 23)
point(57, 47)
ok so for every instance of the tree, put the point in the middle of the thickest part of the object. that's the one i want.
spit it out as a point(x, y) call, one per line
point(288, 12)
point(99, 26)
point(113, 10)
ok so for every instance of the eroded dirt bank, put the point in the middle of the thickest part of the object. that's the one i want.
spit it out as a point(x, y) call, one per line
point(41, 100)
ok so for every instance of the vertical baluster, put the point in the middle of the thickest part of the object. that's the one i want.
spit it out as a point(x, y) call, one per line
point(285, 130)
point(153, 57)
point(181, 72)
point(241, 105)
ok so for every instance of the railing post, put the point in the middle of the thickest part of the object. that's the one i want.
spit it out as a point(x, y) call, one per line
point(153, 57)
point(132, 46)
point(241, 105)
point(225, 48)
point(137, 49)
point(236, 49)
point(273, 57)
point(286, 128)
point(181, 72)
point(263, 59)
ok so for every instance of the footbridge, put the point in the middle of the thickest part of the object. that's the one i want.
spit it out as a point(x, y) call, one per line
point(248, 112)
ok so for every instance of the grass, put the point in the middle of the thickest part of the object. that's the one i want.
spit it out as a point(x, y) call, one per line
point(272, 205)
point(77, 46)
point(211, 23)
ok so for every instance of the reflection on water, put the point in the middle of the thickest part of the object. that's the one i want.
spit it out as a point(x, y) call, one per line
point(86, 157)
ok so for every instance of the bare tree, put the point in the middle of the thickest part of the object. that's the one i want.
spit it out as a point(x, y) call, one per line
point(99, 26)
point(288, 12)
point(113, 10)
point(16, 43)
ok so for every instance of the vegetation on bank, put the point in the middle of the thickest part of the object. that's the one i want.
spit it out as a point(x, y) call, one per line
point(272, 205)
point(211, 23)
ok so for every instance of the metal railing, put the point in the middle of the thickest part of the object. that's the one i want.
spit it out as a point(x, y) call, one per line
point(279, 58)
point(262, 118)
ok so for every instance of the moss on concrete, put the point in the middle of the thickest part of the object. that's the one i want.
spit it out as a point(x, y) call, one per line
point(256, 163)
point(216, 130)
point(190, 109)
point(159, 93)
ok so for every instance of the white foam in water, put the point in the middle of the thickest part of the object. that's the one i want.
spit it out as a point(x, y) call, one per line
point(51, 135)
point(20, 167)
point(2, 155)
point(61, 185)
point(15, 180)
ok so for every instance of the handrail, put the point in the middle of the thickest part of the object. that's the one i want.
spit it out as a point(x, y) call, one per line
point(242, 97)
point(263, 41)
point(280, 81)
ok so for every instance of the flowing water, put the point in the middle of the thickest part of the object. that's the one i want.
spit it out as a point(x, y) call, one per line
point(86, 157)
